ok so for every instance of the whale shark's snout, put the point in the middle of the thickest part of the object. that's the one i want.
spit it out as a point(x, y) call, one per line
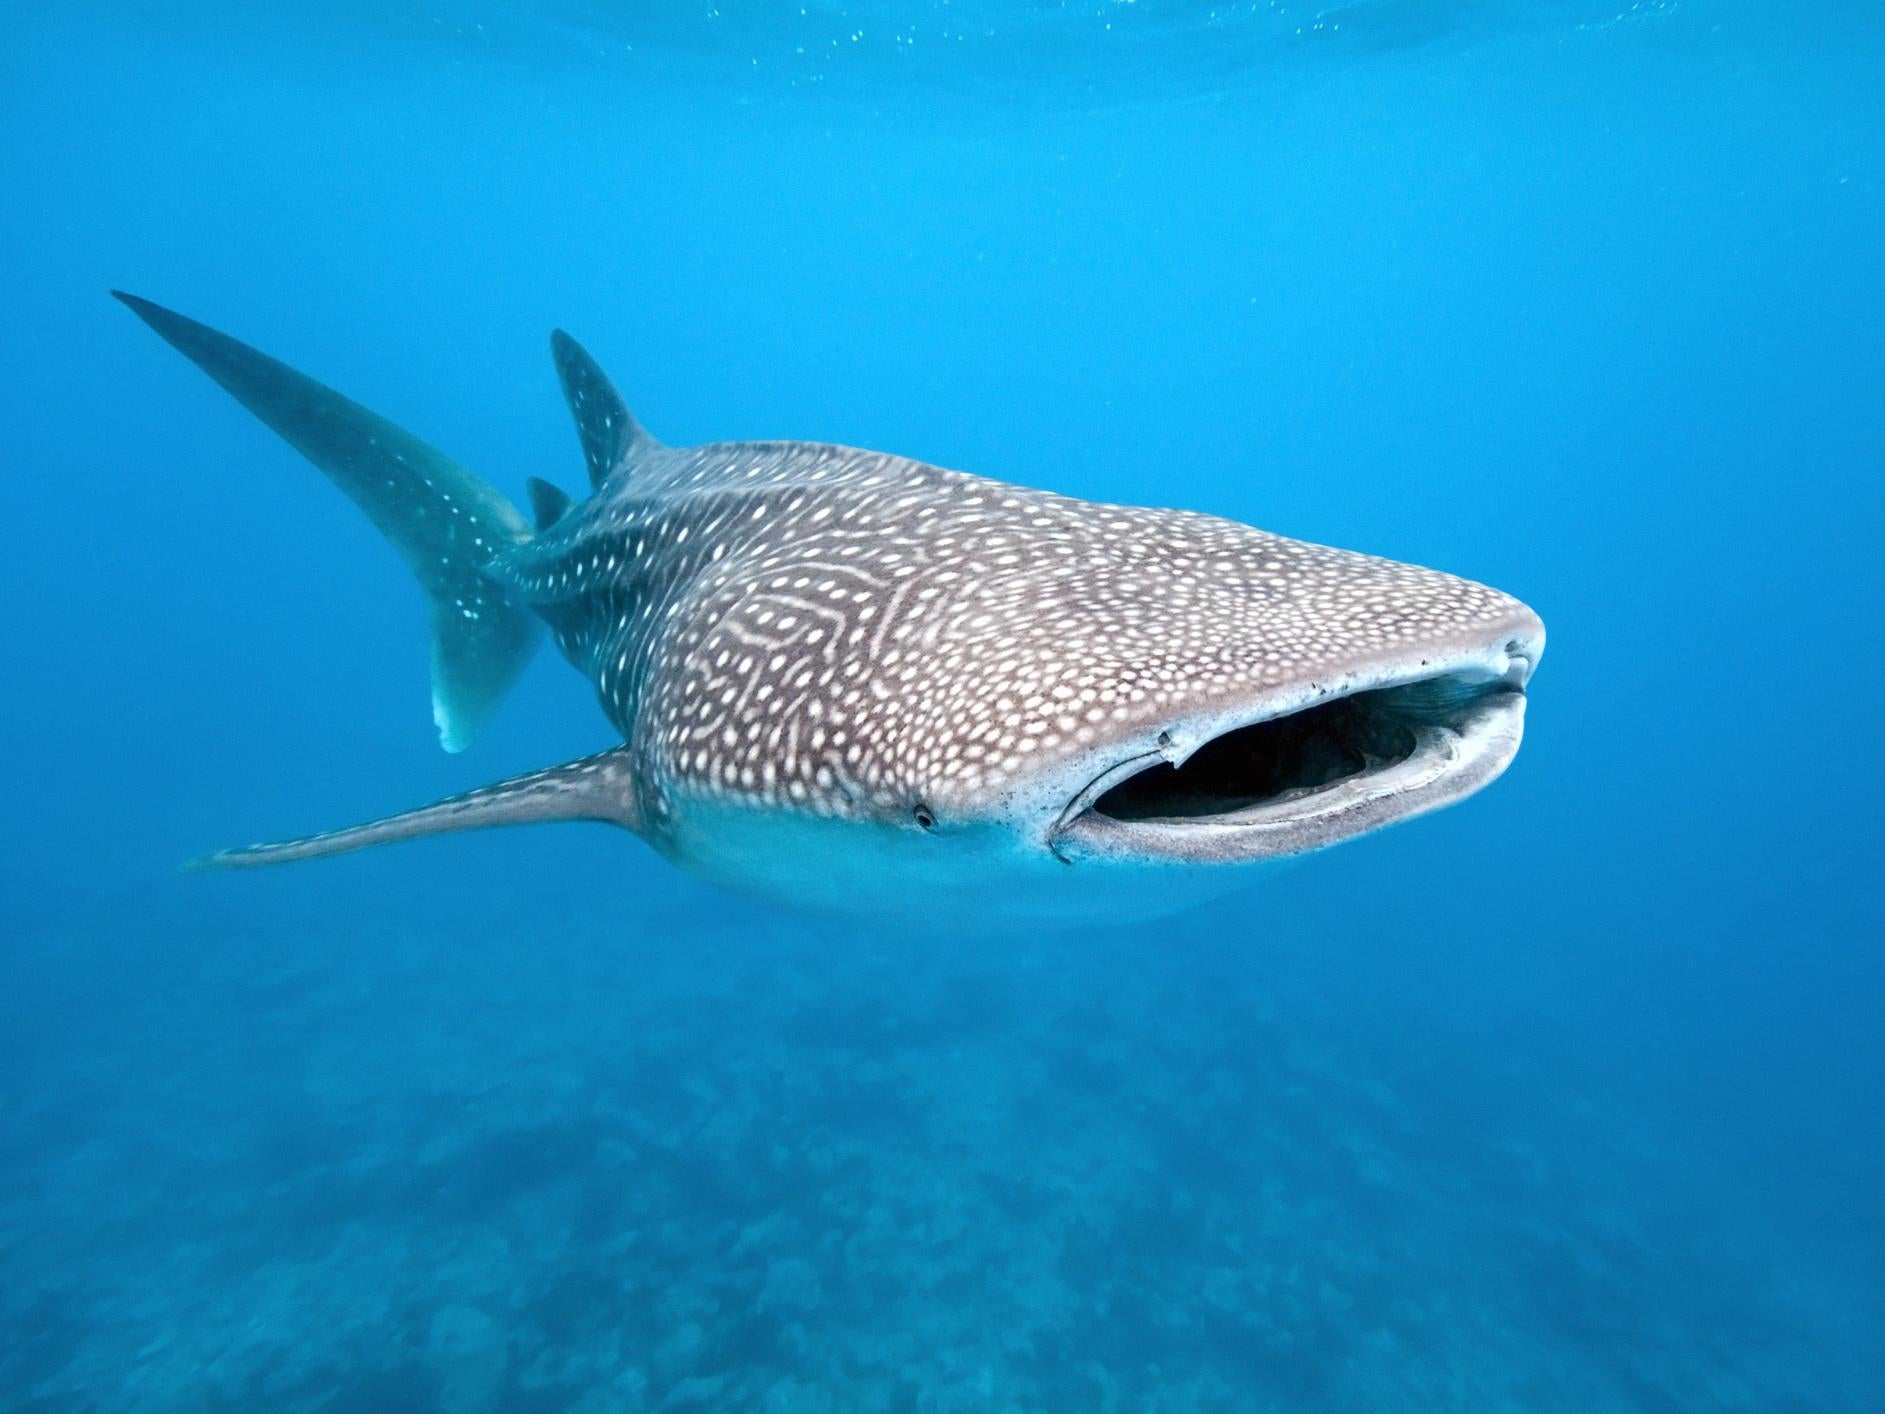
point(1325, 760)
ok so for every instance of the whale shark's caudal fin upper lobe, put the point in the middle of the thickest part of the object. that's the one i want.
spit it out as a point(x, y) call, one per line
point(446, 522)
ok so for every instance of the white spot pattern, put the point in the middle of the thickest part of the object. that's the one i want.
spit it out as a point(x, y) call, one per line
point(855, 634)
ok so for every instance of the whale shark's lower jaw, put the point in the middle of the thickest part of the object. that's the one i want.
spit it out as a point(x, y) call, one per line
point(1288, 780)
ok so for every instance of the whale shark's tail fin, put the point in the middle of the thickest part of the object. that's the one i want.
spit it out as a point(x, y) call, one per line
point(446, 522)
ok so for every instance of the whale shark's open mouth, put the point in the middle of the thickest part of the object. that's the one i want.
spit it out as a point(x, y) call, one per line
point(1304, 779)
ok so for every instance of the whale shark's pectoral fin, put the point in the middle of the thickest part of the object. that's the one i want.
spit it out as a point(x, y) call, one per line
point(599, 787)
point(610, 435)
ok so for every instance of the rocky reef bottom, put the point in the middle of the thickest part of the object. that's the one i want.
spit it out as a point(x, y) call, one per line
point(723, 1162)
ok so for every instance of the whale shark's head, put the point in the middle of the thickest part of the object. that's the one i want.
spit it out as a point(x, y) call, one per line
point(1221, 695)
point(1059, 695)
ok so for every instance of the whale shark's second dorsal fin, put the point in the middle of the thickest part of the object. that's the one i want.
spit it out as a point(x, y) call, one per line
point(599, 787)
point(548, 502)
point(446, 522)
point(611, 437)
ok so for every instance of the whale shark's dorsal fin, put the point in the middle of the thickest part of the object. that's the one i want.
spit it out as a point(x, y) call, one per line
point(611, 437)
point(599, 787)
point(547, 502)
point(446, 522)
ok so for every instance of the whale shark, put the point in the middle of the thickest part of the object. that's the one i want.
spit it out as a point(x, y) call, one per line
point(866, 685)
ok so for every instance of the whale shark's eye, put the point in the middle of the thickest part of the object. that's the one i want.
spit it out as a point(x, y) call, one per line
point(925, 816)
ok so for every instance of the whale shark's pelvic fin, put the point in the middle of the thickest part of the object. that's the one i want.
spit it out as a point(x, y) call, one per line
point(599, 788)
point(446, 522)
point(611, 437)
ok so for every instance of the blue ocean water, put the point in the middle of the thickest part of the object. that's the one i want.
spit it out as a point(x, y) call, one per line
point(1564, 1099)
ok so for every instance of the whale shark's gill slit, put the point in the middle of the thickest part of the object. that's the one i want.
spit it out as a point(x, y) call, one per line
point(1287, 758)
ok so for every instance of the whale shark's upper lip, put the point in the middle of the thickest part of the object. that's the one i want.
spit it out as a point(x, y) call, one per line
point(1319, 766)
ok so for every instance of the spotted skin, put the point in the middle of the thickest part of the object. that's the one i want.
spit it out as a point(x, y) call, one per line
point(851, 634)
